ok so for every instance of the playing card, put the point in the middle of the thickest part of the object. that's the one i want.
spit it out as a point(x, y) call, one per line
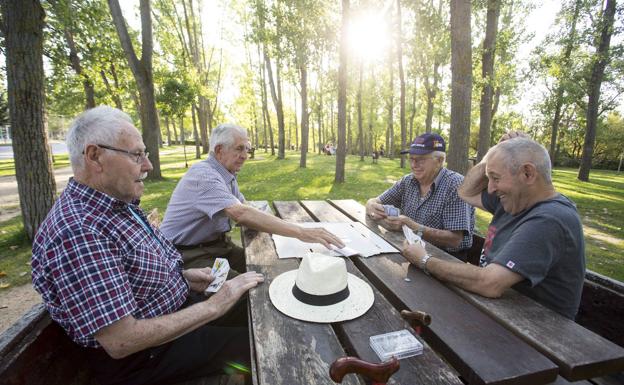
point(220, 271)
point(411, 236)
point(391, 211)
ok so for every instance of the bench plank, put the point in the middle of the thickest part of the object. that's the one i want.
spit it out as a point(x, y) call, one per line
point(424, 369)
point(579, 352)
point(483, 351)
point(287, 351)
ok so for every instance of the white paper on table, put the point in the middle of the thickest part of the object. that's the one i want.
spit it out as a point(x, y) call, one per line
point(357, 237)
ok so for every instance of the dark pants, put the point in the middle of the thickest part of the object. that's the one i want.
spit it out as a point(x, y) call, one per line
point(204, 256)
point(212, 349)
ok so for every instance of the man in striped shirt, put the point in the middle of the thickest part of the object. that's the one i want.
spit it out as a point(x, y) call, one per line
point(207, 198)
point(114, 283)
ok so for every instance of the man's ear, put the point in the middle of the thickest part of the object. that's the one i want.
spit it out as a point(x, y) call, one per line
point(529, 172)
point(92, 156)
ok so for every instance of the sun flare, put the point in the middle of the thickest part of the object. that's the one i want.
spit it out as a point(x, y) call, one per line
point(368, 35)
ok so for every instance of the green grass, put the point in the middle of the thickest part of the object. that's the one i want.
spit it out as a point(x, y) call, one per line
point(7, 166)
point(600, 202)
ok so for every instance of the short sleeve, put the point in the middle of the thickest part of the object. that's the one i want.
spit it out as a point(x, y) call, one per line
point(214, 196)
point(393, 195)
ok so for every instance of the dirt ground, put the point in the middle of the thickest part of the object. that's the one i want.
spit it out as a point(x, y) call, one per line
point(14, 302)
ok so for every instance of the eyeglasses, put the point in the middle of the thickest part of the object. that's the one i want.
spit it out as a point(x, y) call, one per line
point(139, 157)
point(420, 161)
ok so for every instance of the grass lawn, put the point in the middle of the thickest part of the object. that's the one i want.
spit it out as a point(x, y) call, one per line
point(7, 166)
point(600, 202)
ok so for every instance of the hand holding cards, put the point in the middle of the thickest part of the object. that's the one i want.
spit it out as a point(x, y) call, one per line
point(411, 237)
point(219, 271)
point(391, 211)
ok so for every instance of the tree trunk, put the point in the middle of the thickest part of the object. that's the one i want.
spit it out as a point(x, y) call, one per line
point(278, 109)
point(342, 96)
point(390, 130)
point(168, 131)
point(402, 82)
point(196, 133)
point(305, 119)
point(602, 57)
point(359, 112)
point(413, 114)
point(22, 29)
point(142, 71)
point(554, 128)
point(487, 73)
point(461, 85)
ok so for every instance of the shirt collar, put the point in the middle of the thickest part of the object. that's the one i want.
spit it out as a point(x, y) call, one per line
point(97, 199)
point(228, 176)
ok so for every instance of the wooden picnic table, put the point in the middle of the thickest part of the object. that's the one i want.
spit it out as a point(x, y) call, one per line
point(511, 340)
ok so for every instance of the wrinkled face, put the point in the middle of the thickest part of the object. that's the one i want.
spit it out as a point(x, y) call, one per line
point(510, 189)
point(122, 177)
point(425, 167)
point(233, 157)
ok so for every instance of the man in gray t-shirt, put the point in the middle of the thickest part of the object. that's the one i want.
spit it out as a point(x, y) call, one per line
point(535, 240)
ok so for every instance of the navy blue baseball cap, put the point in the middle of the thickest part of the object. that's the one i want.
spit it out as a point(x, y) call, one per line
point(426, 143)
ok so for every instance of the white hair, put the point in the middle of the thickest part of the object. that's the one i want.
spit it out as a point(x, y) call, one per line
point(99, 125)
point(439, 155)
point(225, 134)
point(521, 150)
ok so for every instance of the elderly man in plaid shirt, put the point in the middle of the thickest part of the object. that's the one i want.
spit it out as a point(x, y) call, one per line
point(114, 283)
point(428, 199)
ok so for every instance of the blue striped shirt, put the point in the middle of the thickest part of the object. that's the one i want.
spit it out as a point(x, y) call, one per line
point(441, 208)
point(195, 211)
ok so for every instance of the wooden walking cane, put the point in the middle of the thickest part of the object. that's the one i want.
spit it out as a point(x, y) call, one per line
point(379, 373)
point(416, 319)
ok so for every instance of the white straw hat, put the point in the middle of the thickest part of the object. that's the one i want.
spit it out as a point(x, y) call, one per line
point(321, 291)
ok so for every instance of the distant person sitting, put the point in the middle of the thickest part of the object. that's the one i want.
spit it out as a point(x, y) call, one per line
point(381, 150)
point(114, 283)
point(207, 197)
point(534, 243)
point(428, 199)
point(375, 156)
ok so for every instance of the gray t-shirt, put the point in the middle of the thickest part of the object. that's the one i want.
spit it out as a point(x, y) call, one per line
point(545, 245)
point(195, 211)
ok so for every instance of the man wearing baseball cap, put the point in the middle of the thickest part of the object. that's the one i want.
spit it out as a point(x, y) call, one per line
point(427, 199)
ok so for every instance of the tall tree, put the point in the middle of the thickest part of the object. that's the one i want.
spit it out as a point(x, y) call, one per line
point(399, 44)
point(341, 151)
point(487, 75)
point(461, 85)
point(600, 61)
point(142, 71)
point(22, 27)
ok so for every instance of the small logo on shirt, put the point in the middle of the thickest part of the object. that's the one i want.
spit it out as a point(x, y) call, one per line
point(511, 264)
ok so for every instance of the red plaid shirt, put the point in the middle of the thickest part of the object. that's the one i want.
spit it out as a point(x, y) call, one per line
point(94, 263)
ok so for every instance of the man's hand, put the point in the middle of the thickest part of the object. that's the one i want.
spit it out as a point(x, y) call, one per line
point(413, 253)
point(513, 134)
point(198, 279)
point(233, 289)
point(322, 236)
point(375, 209)
point(395, 223)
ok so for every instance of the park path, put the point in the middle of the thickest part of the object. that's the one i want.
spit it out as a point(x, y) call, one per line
point(9, 197)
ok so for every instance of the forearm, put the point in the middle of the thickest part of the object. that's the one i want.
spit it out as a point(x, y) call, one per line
point(130, 335)
point(474, 183)
point(260, 221)
point(463, 275)
point(439, 237)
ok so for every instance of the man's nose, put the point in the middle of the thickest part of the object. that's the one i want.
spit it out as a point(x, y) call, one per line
point(146, 165)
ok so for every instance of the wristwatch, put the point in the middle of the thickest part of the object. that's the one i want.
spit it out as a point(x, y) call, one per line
point(423, 263)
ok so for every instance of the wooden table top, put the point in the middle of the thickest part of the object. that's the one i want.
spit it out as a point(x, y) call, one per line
point(511, 340)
